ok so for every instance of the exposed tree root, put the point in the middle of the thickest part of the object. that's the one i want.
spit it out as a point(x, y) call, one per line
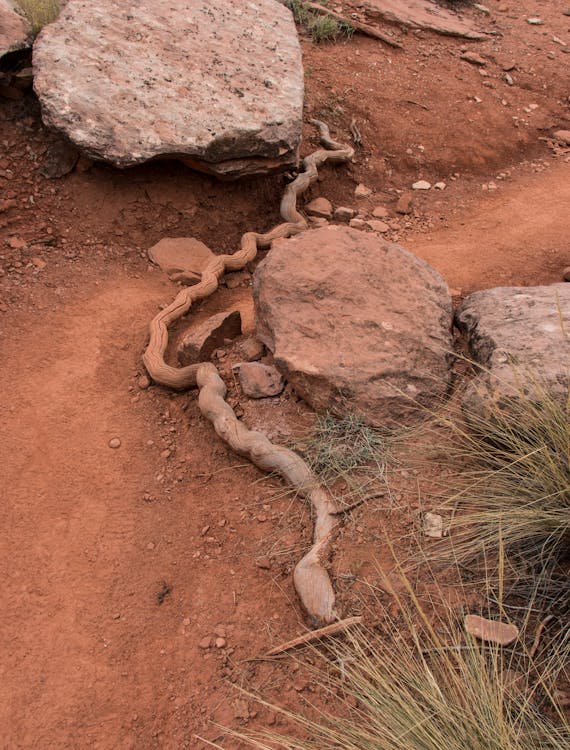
point(310, 577)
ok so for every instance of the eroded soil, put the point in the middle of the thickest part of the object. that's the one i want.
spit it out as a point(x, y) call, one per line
point(119, 563)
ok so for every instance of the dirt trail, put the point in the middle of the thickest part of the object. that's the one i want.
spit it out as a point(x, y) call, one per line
point(88, 649)
point(515, 236)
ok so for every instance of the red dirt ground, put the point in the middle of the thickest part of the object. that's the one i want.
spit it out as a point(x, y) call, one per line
point(118, 563)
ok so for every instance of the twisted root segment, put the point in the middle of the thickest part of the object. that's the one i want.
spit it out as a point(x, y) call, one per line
point(311, 580)
point(310, 577)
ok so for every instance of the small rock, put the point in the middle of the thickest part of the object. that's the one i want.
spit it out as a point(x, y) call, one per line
point(404, 204)
point(421, 185)
point(39, 263)
point(60, 159)
point(509, 79)
point(259, 381)
point(440, 186)
point(233, 280)
point(181, 258)
point(318, 221)
point(380, 212)
point(320, 207)
point(205, 643)
point(342, 213)
point(241, 709)
point(252, 349)
point(114, 443)
point(220, 643)
point(199, 344)
point(143, 382)
point(16, 243)
point(473, 58)
point(150, 546)
point(377, 226)
point(563, 136)
point(566, 273)
point(263, 562)
point(361, 191)
point(491, 630)
point(357, 224)
point(535, 21)
point(433, 525)
point(482, 8)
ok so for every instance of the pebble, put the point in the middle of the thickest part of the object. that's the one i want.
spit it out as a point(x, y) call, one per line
point(404, 204)
point(220, 643)
point(114, 443)
point(509, 79)
point(150, 546)
point(205, 643)
point(264, 563)
point(377, 226)
point(16, 243)
point(421, 185)
point(380, 212)
point(39, 263)
point(563, 136)
point(361, 191)
point(473, 58)
point(440, 186)
point(143, 382)
point(566, 273)
point(535, 21)
point(357, 223)
point(319, 207)
point(252, 349)
point(343, 213)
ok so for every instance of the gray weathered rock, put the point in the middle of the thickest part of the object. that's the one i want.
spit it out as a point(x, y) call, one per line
point(355, 323)
point(216, 83)
point(202, 340)
point(520, 336)
point(15, 31)
point(258, 380)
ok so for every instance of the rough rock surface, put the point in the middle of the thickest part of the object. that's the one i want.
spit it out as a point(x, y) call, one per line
point(181, 258)
point(217, 84)
point(201, 341)
point(355, 323)
point(421, 14)
point(258, 380)
point(520, 336)
point(15, 31)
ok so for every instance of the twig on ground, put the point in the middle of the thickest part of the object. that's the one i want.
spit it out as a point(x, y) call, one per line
point(535, 645)
point(315, 635)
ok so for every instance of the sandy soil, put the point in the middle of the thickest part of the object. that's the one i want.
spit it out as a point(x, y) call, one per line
point(122, 567)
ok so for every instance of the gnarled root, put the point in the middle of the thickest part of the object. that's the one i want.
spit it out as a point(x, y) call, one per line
point(311, 579)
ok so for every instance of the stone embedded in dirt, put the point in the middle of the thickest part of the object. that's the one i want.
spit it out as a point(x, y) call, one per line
point(220, 642)
point(433, 525)
point(519, 335)
point(357, 223)
point(377, 226)
point(143, 382)
point(535, 21)
point(114, 443)
point(263, 562)
point(563, 136)
point(421, 185)
point(259, 381)
point(473, 58)
point(252, 349)
point(361, 191)
point(440, 186)
point(17, 243)
point(15, 31)
point(236, 279)
point(342, 213)
point(404, 204)
point(181, 258)
point(491, 631)
point(200, 342)
point(205, 643)
point(60, 159)
point(421, 14)
point(355, 323)
point(380, 212)
point(319, 207)
point(175, 80)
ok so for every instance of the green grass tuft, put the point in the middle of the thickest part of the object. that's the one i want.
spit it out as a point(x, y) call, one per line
point(321, 27)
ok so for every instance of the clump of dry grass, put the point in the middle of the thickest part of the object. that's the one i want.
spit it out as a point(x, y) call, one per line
point(426, 684)
point(511, 481)
point(39, 12)
point(321, 27)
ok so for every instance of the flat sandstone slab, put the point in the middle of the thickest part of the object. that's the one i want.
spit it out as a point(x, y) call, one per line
point(217, 84)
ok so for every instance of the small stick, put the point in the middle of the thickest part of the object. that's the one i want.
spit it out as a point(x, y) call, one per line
point(542, 625)
point(315, 635)
point(364, 28)
point(418, 104)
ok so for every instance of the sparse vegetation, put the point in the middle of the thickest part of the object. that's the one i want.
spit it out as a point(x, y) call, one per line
point(513, 467)
point(348, 451)
point(321, 27)
point(425, 684)
point(39, 12)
